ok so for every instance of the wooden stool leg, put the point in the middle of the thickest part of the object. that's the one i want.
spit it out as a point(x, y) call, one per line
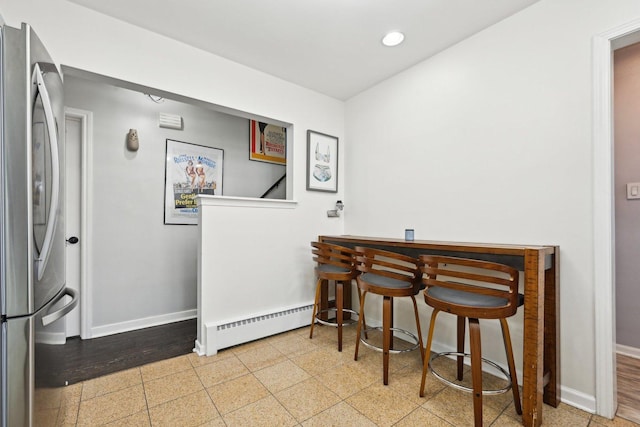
point(427, 351)
point(461, 325)
point(360, 322)
point(316, 303)
point(386, 336)
point(415, 310)
point(361, 314)
point(339, 312)
point(512, 366)
point(347, 299)
point(476, 370)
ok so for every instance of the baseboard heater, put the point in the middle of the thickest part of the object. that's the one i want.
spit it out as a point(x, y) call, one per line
point(236, 332)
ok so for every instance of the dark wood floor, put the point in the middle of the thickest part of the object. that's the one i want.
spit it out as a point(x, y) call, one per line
point(80, 360)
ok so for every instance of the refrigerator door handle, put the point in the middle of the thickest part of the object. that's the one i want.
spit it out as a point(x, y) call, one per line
point(43, 256)
point(52, 317)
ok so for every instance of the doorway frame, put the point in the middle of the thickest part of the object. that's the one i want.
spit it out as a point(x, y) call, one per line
point(604, 212)
point(86, 154)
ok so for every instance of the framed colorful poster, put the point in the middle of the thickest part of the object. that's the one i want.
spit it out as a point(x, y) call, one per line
point(267, 142)
point(322, 162)
point(190, 170)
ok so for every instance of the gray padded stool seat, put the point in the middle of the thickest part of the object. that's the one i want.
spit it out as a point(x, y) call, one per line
point(389, 275)
point(335, 264)
point(473, 290)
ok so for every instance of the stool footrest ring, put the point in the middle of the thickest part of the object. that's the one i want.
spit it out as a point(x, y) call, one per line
point(345, 322)
point(414, 340)
point(469, 389)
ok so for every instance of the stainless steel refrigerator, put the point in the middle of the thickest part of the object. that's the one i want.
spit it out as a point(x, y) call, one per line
point(33, 296)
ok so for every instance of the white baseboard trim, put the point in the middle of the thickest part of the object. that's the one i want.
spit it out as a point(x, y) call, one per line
point(199, 349)
point(577, 399)
point(132, 325)
point(628, 351)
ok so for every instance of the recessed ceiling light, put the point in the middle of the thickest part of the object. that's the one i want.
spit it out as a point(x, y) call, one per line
point(393, 38)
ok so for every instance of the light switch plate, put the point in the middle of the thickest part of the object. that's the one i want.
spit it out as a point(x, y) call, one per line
point(633, 190)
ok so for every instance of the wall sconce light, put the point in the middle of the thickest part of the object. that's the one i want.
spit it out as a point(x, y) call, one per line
point(334, 213)
point(132, 140)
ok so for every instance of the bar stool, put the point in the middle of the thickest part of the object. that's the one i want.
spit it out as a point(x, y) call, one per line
point(390, 275)
point(334, 263)
point(479, 290)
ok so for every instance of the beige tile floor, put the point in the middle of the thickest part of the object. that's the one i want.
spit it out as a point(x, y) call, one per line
point(285, 380)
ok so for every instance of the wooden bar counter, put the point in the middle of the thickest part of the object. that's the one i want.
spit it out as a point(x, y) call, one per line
point(540, 264)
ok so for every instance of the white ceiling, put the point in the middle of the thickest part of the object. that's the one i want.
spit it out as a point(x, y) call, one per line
point(330, 46)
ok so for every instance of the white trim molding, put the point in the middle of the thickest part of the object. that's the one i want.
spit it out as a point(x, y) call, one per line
point(147, 322)
point(86, 201)
point(625, 350)
point(603, 214)
point(245, 202)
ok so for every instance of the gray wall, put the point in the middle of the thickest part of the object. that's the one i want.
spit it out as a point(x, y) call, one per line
point(627, 169)
point(141, 268)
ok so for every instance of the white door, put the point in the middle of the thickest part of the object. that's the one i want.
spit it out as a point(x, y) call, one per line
point(73, 135)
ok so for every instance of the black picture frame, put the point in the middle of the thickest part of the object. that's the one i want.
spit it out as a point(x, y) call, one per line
point(322, 162)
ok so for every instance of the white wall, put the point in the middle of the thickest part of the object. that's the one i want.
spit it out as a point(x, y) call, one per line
point(137, 255)
point(490, 141)
point(83, 39)
point(257, 268)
